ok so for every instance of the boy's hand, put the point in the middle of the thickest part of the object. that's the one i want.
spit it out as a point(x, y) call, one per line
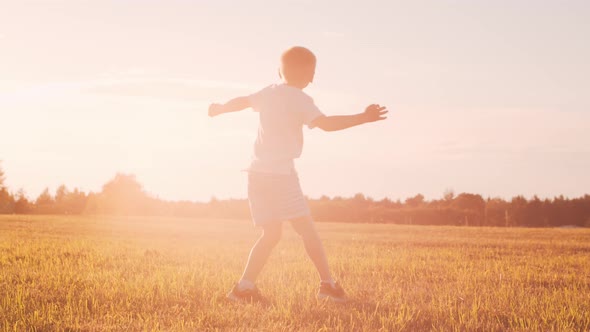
point(339, 122)
point(215, 109)
point(375, 112)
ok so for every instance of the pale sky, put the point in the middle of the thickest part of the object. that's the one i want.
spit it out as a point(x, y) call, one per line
point(488, 97)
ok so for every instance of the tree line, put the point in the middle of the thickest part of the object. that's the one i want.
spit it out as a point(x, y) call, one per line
point(124, 195)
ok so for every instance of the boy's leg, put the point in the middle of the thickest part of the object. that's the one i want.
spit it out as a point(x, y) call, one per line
point(313, 246)
point(261, 251)
point(315, 250)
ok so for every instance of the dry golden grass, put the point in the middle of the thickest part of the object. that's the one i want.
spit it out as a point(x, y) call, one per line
point(150, 274)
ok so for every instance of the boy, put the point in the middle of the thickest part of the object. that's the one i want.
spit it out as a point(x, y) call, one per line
point(274, 193)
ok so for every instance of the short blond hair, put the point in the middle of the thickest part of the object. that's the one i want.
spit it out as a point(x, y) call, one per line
point(295, 60)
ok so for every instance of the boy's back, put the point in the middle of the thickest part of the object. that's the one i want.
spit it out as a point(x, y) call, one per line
point(283, 111)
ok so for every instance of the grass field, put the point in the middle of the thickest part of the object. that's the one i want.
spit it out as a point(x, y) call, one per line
point(108, 273)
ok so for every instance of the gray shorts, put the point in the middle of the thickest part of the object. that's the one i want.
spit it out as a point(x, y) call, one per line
point(275, 198)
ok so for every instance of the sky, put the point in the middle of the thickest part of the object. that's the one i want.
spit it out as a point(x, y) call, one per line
point(487, 97)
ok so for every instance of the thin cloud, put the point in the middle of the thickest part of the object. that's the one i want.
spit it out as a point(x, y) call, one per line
point(482, 149)
point(155, 87)
point(168, 88)
point(333, 34)
point(499, 134)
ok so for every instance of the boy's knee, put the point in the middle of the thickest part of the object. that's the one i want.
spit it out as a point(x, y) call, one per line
point(304, 227)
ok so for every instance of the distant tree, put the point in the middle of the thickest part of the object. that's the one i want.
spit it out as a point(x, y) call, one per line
point(45, 204)
point(61, 197)
point(92, 205)
point(22, 204)
point(359, 206)
point(496, 212)
point(359, 197)
point(61, 193)
point(69, 202)
point(2, 178)
point(415, 201)
point(580, 211)
point(586, 213)
point(44, 198)
point(472, 203)
point(75, 202)
point(534, 214)
point(124, 195)
point(385, 203)
point(448, 195)
point(6, 202)
point(6, 199)
point(517, 216)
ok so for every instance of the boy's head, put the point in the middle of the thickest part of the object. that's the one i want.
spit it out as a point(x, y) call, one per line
point(298, 66)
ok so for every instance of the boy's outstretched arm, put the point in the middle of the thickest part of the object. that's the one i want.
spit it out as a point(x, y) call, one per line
point(234, 105)
point(339, 122)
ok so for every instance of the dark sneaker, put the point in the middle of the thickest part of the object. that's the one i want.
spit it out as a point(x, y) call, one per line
point(246, 295)
point(333, 293)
